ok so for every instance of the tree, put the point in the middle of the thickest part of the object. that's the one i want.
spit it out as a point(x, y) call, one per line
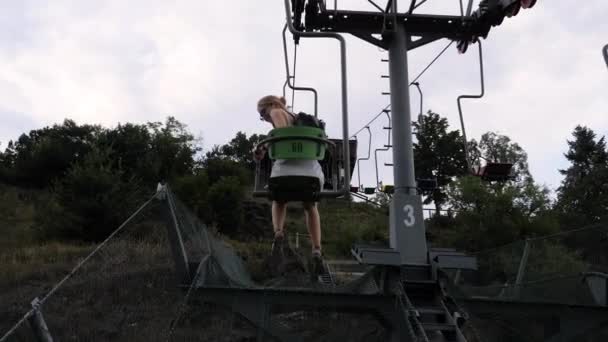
point(488, 216)
point(38, 158)
point(240, 147)
point(174, 149)
point(583, 194)
point(193, 189)
point(491, 214)
point(131, 148)
point(217, 165)
point(439, 154)
point(225, 200)
point(91, 200)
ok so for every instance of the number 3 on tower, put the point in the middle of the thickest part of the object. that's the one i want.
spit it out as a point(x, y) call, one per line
point(410, 218)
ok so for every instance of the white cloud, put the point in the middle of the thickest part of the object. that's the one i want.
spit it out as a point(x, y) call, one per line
point(208, 62)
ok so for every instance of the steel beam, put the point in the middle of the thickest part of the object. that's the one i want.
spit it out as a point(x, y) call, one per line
point(254, 304)
point(178, 251)
point(447, 26)
point(407, 231)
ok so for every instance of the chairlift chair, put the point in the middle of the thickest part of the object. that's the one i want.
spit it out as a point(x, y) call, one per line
point(494, 172)
point(426, 186)
point(301, 143)
point(361, 188)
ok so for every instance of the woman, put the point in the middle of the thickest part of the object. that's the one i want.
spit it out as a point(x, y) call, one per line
point(273, 110)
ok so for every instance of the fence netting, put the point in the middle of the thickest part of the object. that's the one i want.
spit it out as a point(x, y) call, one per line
point(530, 290)
point(224, 267)
point(129, 290)
point(124, 292)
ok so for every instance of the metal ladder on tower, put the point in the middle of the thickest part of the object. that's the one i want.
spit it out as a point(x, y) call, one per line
point(425, 306)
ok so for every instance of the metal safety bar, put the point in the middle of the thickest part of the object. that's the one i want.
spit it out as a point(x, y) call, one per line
point(606, 54)
point(369, 150)
point(417, 85)
point(295, 137)
point(346, 148)
point(385, 148)
point(464, 134)
point(289, 77)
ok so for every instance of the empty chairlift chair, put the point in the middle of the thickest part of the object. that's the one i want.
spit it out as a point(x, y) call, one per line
point(494, 172)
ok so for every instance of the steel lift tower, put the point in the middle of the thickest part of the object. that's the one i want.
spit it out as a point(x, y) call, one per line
point(408, 267)
point(399, 32)
point(402, 290)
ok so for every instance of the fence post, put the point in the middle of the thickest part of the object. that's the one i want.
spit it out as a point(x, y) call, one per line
point(175, 238)
point(521, 272)
point(38, 325)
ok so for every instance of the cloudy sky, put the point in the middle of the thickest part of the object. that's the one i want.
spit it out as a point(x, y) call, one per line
point(207, 63)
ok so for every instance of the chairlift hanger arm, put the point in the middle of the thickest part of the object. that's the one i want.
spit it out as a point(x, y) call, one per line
point(289, 77)
point(417, 85)
point(383, 149)
point(369, 151)
point(606, 54)
point(344, 82)
point(481, 94)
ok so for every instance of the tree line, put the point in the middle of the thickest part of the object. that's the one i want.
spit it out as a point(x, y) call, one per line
point(496, 213)
point(95, 176)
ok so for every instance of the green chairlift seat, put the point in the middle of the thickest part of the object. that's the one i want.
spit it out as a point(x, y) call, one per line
point(296, 143)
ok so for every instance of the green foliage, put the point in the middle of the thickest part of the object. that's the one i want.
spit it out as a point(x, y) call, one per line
point(173, 147)
point(131, 150)
point(151, 152)
point(17, 208)
point(233, 159)
point(43, 155)
point(90, 201)
point(225, 199)
point(240, 149)
point(193, 189)
point(218, 167)
point(343, 224)
point(549, 258)
point(490, 215)
point(583, 194)
point(439, 155)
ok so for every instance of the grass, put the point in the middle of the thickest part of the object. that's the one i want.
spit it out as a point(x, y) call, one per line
point(128, 291)
point(17, 209)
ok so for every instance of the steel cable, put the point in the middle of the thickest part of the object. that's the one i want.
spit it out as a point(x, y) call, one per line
point(73, 271)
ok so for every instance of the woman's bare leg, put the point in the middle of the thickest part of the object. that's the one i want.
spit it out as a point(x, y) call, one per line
point(279, 213)
point(313, 223)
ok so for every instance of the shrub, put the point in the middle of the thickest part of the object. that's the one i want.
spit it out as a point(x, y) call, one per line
point(90, 201)
point(192, 190)
point(225, 200)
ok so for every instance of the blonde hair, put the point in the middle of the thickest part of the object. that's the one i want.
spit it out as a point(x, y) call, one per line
point(272, 101)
